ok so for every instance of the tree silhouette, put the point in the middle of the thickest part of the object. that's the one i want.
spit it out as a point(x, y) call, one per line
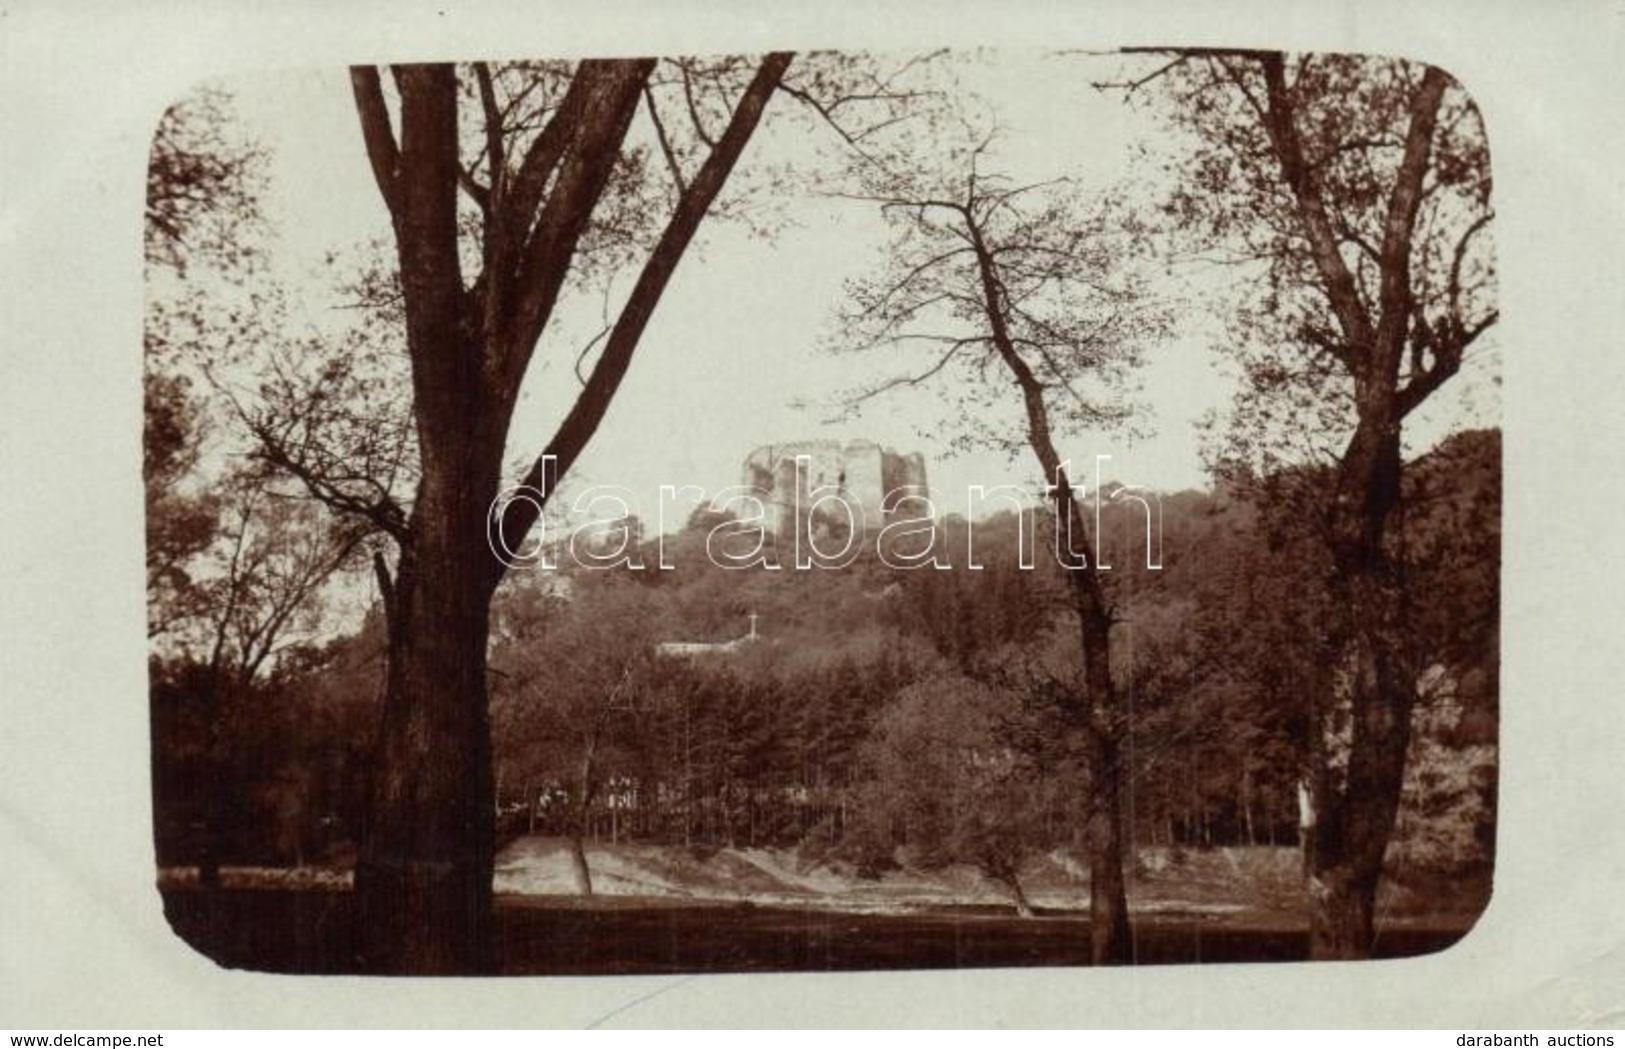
point(507, 187)
point(1358, 191)
point(1021, 285)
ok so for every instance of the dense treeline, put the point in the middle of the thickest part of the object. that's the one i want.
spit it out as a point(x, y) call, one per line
point(886, 716)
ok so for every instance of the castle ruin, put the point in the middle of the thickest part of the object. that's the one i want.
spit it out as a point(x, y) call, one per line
point(874, 481)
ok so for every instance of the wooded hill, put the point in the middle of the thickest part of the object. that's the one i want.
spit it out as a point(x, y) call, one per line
point(888, 716)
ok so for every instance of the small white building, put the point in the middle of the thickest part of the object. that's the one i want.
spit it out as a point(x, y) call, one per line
point(691, 649)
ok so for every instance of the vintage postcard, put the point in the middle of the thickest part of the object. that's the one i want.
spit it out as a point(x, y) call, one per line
point(864, 508)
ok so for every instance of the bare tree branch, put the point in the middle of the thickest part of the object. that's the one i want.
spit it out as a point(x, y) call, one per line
point(665, 142)
point(571, 437)
point(376, 133)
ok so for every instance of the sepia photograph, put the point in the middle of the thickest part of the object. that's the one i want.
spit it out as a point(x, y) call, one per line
point(524, 516)
point(823, 510)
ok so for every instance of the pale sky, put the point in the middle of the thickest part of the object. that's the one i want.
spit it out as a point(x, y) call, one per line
point(734, 345)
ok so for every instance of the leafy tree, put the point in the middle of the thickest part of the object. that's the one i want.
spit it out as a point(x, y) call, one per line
point(487, 228)
point(234, 574)
point(971, 615)
point(1223, 655)
point(577, 673)
point(509, 188)
point(1361, 187)
point(942, 779)
point(180, 522)
point(1022, 285)
point(202, 211)
point(1452, 543)
point(258, 593)
point(203, 186)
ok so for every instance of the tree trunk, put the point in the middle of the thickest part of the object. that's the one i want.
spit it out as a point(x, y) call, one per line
point(1353, 824)
point(1110, 937)
point(1354, 821)
point(1348, 842)
point(211, 824)
point(1246, 798)
point(1096, 706)
point(588, 789)
point(1341, 906)
point(578, 859)
point(1018, 897)
point(423, 879)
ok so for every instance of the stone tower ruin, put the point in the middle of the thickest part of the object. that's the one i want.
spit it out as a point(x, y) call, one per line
point(872, 480)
